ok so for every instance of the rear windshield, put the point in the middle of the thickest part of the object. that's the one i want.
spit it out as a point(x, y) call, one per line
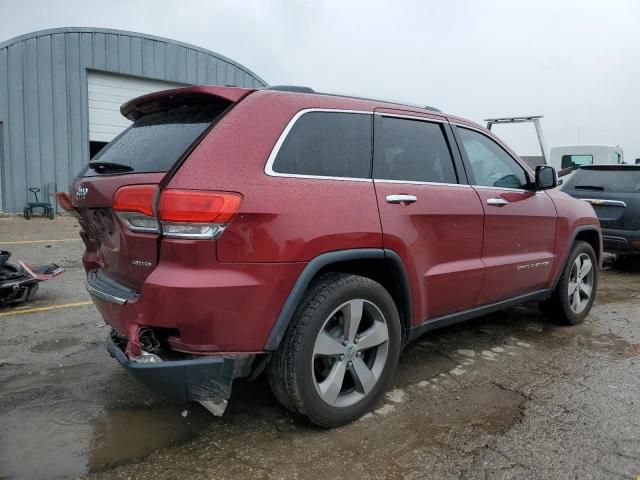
point(620, 180)
point(155, 142)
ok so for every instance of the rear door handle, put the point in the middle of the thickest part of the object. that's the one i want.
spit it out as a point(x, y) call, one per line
point(497, 202)
point(401, 198)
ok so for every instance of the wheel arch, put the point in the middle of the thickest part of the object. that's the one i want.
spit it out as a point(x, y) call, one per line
point(589, 234)
point(381, 265)
point(593, 238)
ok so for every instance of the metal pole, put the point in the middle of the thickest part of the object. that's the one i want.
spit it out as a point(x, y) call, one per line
point(543, 144)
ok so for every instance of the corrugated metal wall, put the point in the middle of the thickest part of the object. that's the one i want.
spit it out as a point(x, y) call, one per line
point(43, 96)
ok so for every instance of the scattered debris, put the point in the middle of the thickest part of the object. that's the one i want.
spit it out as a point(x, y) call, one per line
point(19, 283)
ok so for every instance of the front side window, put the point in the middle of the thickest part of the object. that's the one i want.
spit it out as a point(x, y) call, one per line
point(574, 161)
point(327, 144)
point(412, 150)
point(490, 164)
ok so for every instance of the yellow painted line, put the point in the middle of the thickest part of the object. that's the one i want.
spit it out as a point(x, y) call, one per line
point(44, 309)
point(17, 242)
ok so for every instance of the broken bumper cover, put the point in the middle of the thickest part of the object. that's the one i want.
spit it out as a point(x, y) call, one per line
point(206, 379)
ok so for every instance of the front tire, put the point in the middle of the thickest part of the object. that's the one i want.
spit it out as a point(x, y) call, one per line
point(340, 351)
point(573, 297)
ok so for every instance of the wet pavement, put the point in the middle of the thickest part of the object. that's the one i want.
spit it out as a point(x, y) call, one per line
point(509, 395)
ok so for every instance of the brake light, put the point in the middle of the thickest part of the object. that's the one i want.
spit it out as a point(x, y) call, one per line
point(195, 213)
point(135, 198)
point(133, 204)
point(192, 214)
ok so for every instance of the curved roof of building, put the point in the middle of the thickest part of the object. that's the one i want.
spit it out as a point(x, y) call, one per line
point(53, 31)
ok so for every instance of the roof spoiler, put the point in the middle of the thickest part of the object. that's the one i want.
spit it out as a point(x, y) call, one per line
point(154, 102)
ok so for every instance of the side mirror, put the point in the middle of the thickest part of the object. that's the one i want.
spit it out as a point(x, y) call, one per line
point(546, 177)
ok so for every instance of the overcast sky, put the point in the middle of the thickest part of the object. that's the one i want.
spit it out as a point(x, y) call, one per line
point(575, 62)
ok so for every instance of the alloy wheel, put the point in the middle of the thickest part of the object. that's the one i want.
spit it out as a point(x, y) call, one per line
point(580, 283)
point(350, 353)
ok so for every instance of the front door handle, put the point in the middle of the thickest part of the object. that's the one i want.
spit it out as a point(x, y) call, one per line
point(402, 198)
point(497, 202)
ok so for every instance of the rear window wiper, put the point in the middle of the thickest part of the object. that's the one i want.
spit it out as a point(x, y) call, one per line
point(102, 167)
point(589, 187)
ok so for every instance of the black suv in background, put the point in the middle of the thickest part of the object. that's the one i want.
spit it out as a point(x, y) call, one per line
point(614, 192)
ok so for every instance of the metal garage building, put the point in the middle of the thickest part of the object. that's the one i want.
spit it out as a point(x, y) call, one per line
point(60, 93)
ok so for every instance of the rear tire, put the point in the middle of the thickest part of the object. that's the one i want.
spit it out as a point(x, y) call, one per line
point(573, 297)
point(340, 351)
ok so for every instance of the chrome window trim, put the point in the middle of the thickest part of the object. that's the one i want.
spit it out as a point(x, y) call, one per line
point(411, 117)
point(484, 187)
point(268, 169)
point(416, 182)
point(517, 160)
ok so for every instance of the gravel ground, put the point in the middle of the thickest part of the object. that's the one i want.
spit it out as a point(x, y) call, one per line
point(509, 395)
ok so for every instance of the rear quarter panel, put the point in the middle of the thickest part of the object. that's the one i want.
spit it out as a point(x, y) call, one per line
point(281, 219)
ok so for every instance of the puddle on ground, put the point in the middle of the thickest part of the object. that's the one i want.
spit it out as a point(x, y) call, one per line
point(67, 438)
point(54, 345)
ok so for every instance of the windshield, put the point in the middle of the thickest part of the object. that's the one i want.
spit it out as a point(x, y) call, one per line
point(620, 180)
point(155, 142)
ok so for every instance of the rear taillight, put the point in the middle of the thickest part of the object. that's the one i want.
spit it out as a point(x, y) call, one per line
point(196, 213)
point(192, 214)
point(133, 204)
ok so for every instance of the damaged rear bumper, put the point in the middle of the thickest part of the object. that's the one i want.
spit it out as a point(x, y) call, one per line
point(206, 380)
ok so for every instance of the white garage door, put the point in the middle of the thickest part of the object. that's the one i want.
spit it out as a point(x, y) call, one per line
point(106, 93)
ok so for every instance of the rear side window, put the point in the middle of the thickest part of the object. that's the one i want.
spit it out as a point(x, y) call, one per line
point(327, 144)
point(574, 161)
point(155, 142)
point(412, 150)
point(622, 180)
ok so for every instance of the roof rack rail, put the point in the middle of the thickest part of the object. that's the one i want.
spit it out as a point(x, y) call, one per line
point(291, 88)
point(529, 118)
point(302, 89)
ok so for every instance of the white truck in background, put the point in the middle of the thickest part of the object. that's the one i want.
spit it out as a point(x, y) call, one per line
point(568, 158)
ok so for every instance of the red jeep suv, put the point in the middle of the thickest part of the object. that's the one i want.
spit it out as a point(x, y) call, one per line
point(230, 231)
